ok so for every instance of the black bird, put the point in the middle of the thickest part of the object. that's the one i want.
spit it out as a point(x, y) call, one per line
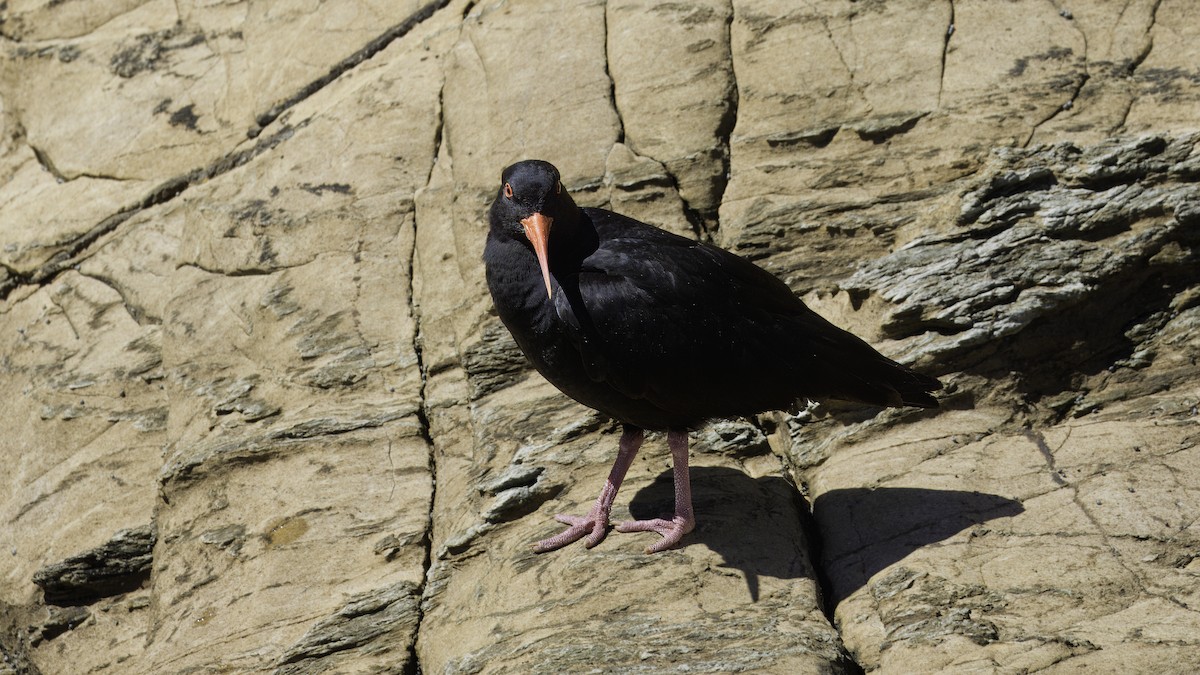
point(661, 332)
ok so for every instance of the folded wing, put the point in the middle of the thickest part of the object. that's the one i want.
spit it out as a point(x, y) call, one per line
point(691, 327)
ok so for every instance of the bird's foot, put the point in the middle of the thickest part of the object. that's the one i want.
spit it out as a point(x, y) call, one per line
point(595, 522)
point(671, 530)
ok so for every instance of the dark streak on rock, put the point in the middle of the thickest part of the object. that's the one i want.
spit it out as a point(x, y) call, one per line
point(58, 620)
point(945, 51)
point(117, 566)
point(262, 447)
point(1132, 65)
point(184, 117)
point(1053, 54)
point(879, 131)
point(815, 138)
point(361, 622)
point(612, 85)
point(728, 120)
point(164, 192)
point(46, 162)
point(371, 49)
point(144, 54)
point(318, 190)
point(1040, 441)
point(493, 363)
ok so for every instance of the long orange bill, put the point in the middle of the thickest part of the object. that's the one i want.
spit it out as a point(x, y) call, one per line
point(537, 228)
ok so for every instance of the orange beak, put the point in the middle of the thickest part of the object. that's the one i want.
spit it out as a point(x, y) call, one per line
point(537, 228)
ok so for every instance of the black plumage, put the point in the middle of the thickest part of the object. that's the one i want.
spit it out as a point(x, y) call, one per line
point(662, 332)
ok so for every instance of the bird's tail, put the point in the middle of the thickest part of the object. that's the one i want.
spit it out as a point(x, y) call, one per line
point(849, 369)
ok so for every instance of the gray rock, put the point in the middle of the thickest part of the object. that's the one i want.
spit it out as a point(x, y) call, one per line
point(120, 565)
point(367, 628)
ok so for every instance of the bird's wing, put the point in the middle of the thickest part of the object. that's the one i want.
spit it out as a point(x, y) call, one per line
point(688, 327)
point(680, 323)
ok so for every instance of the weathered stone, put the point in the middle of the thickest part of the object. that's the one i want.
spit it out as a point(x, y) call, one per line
point(15, 660)
point(162, 88)
point(671, 61)
point(87, 416)
point(1057, 240)
point(58, 621)
point(365, 632)
point(1089, 276)
point(608, 608)
point(118, 566)
point(505, 102)
point(494, 362)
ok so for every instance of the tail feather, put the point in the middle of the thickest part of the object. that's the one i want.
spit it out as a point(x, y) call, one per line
point(884, 382)
point(851, 370)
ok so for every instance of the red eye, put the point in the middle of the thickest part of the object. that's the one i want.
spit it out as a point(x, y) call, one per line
point(508, 190)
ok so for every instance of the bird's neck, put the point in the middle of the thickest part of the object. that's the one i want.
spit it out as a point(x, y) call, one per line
point(572, 238)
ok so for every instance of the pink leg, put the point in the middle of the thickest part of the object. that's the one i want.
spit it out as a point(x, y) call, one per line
point(684, 521)
point(596, 520)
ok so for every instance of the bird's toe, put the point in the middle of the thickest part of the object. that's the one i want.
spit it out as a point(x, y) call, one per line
point(599, 531)
point(672, 530)
point(591, 526)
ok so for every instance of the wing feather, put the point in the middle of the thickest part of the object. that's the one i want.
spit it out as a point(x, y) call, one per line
point(685, 327)
point(693, 328)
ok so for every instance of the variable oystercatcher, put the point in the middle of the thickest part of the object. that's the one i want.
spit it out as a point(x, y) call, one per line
point(661, 332)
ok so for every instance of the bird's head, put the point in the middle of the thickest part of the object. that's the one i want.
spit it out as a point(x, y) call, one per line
point(530, 199)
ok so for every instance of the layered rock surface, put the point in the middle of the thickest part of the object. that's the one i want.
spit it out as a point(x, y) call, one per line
point(261, 417)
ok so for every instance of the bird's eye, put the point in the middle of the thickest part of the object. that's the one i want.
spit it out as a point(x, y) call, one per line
point(558, 188)
point(508, 190)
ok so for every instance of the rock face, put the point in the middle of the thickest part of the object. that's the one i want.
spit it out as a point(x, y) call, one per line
point(262, 418)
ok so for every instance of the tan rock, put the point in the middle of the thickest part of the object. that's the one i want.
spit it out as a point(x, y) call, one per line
point(670, 61)
point(48, 217)
point(495, 606)
point(45, 19)
point(512, 92)
point(84, 376)
point(1010, 564)
point(1016, 532)
point(294, 374)
point(165, 88)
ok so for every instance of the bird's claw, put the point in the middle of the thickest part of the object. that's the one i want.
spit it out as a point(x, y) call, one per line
point(671, 530)
point(579, 526)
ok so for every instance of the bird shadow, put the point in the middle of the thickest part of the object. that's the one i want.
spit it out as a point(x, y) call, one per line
point(865, 530)
point(763, 526)
point(755, 524)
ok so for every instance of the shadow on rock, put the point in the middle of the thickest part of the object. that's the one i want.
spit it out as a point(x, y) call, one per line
point(762, 527)
point(756, 525)
point(866, 530)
